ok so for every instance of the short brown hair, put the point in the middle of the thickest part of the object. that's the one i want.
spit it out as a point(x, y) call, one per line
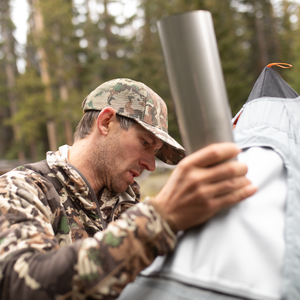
point(85, 125)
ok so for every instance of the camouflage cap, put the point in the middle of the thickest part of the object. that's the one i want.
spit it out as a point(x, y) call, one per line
point(135, 100)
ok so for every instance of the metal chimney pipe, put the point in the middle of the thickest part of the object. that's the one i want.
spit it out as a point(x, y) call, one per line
point(196, 79)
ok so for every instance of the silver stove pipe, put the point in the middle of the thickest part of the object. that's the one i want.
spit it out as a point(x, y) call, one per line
point(196, 79)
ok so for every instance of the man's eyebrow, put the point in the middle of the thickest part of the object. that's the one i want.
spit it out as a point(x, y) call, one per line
point(154, 139)
point(151, 136)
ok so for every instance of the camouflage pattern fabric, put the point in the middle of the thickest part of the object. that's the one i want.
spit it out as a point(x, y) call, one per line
point(52, 242)
point(137, 101)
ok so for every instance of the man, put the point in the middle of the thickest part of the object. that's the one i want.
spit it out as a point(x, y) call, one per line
point(55, 242)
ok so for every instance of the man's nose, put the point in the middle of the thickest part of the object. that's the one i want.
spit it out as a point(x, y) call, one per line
point(148, 163)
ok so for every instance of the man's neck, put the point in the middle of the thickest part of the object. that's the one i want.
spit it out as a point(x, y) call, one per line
point(80, 157)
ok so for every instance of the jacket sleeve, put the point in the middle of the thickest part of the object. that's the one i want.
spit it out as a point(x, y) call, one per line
point(33, 266)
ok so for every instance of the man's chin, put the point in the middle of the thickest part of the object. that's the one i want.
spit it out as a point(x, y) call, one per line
point(122, 185)
point(120, 189)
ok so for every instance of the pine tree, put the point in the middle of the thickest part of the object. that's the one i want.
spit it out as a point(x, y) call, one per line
point(39, 34)
point(32, 113)
point(232, 41)
point(109, 51)
point(263, 37)
point(8, 46)
point(61, 46)
point(292, 36)
point(57, 48)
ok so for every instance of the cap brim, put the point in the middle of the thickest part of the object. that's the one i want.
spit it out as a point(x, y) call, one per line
point(171, 152)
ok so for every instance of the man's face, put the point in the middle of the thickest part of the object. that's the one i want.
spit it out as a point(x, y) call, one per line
point(125, 155)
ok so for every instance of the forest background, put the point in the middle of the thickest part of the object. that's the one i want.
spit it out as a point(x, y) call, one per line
point(73, 46)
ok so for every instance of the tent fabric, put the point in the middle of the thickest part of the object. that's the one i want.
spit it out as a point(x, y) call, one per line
point(240, 251)
point(271, 84)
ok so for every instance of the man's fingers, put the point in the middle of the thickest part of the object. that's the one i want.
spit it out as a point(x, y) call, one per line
point(238, 195)
point(229, 169)
point(212, 154)
point(224, 187)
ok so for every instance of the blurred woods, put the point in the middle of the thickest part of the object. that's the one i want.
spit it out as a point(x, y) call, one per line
point(73, 46)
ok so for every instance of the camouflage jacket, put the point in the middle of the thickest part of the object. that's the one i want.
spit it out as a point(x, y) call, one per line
point(52, 242)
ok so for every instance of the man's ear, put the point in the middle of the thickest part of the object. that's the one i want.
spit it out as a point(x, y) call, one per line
point(106, 117)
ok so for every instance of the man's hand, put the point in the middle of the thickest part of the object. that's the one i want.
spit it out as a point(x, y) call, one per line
point(202, 184)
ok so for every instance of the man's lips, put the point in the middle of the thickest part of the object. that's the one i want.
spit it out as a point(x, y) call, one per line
point(134, 173)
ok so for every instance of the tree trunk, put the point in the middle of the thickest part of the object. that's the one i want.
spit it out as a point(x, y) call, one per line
point(63, 88)
point(262, 45)
point(44, 69)
point(64, 95)
point(10, 69)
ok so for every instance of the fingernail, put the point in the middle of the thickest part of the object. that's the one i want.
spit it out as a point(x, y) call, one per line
point(251, 189)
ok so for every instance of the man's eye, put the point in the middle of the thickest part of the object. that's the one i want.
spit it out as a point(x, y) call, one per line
point(145, 143)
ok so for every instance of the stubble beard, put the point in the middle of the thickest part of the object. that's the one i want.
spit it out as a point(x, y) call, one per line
point(106, 164)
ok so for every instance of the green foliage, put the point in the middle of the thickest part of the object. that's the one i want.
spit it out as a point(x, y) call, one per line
point(291, 35)
point(7, 78)
point(86, 46)
point(31, 110)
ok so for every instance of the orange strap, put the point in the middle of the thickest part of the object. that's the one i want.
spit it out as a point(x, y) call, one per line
point(236, 120)
point(281, 65)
